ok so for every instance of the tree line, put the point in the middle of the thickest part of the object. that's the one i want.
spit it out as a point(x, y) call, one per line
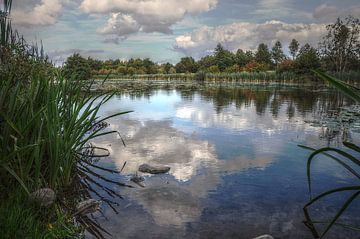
point(338, 51)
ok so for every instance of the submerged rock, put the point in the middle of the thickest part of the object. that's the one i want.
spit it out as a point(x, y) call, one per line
point(146, 168)
point(264, 237)
point(45, 197)
point(87, 206)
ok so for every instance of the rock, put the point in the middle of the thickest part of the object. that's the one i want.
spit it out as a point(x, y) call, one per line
point(146, 168)
point(45, 197)
point(138, 180)
point(264, 237)
point(87, 206)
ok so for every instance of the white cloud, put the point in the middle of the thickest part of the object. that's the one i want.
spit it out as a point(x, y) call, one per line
point(44, 13)
point(128, 16)
point(330, 12)
point(120, 24)
point(246, 36)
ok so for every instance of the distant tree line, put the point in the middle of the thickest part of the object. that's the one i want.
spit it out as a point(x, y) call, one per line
point(339, 51)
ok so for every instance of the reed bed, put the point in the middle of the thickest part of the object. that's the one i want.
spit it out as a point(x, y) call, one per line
point(239, 77)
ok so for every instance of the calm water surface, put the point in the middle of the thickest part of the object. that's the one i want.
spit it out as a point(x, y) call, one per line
point(236, 168)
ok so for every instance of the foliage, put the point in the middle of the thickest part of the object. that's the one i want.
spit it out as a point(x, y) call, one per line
point(307, 59)
point(223, 58)
point(77, 68)
point(341, 44)
point(186, 65)
point(255, 66)
point(46, 125)
point(263, 55)
point(277, 53)
point(206, 62)
point(342, 157)
point(213, 69)
point(294, 48)
point(242, 58)
point(287, 66)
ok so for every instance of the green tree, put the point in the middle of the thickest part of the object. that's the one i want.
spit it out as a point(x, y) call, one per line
point(294, 48)
point(167, 66)
point(242, 58)
point(186, 64)
point(205, 62)
point(150, 66)
point(263, 55)
point(77, 67)
point(341, 43)
point(307, 59)
point(213, 69)
point(121, 70)
point(223, 57)
point(277, 53)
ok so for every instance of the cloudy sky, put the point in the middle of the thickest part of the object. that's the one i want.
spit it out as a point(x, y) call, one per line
point(166, 30)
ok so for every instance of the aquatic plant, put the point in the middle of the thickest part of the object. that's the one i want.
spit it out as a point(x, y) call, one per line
point(340, 156)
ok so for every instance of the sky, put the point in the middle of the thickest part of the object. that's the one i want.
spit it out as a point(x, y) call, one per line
point(166, 30)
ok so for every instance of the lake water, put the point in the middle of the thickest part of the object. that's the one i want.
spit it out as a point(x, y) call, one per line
point(236, 168)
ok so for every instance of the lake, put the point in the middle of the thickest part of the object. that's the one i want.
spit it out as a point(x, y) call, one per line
point(236, 168)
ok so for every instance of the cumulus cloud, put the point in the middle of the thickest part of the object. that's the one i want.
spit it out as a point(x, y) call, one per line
point(246, 36)
point(330, 12)
point(44, 13)
point(121, 24)
point(128, 17)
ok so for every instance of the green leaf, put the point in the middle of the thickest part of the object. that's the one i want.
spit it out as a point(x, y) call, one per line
point(343, 87)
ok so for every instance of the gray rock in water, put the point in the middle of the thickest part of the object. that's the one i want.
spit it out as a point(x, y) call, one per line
point(264, 237)
point(146, 168)
point(45, 197)
point(87, 206)
point(138, 180)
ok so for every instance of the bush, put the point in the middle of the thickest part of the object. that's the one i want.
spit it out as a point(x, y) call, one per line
point(77, 67)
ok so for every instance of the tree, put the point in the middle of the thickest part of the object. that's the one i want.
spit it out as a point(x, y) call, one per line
point(242, 58)
point(167, 66)
point(186, 64)
point(341, 43)
point(294, 48)
point(223, 57)
point(121, 70)
point(205, 62)
point(277, 53)
point(307, 59)
point(149, 67)
point(213, 69)
point(76, 67)
point(263, 55)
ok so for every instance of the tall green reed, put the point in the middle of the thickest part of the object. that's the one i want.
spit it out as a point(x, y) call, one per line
point(47, 123)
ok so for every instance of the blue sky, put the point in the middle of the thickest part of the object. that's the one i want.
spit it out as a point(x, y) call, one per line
point(166, 30)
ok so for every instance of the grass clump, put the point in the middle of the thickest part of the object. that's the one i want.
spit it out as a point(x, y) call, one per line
point(47, 122)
